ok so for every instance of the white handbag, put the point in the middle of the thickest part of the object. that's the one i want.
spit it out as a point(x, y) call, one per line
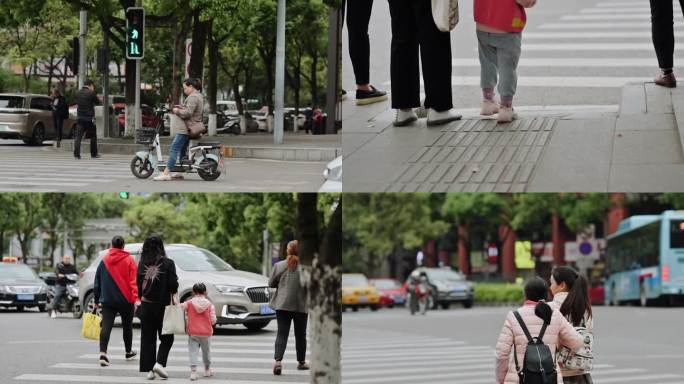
point(445, 14)
point(174, 320)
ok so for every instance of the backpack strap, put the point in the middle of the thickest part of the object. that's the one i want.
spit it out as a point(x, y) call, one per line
point(515, 350)
point(523, 326)
point(541, 333)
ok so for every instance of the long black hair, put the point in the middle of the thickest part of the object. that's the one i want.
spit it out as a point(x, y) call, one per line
point(152, 250)
point(577, 304)
point(537, 290)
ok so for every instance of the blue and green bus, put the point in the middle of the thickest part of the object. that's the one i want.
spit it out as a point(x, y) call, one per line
point(645, 260)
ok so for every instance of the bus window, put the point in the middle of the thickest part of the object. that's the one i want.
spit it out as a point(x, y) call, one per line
point(677, 234)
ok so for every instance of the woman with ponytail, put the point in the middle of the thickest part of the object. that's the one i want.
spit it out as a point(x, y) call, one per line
point(535, 312)
point(571, 296)
point(289, 303)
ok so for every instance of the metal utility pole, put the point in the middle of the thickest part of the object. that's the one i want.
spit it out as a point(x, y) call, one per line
point(138, 114)
point(266, 256)
point(105, 81)
point(83, 30)
point(334, 55)
point(280, 75)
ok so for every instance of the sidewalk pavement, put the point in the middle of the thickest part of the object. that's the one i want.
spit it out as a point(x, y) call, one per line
point(297, 146)
point(634, 147)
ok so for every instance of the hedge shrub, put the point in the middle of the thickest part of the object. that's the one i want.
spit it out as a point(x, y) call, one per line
point(495, 293)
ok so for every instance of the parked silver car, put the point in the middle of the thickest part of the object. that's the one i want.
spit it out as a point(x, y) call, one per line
point(28, 117)
point(239, 297)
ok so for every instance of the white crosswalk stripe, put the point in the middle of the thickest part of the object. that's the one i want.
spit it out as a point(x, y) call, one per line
point(427, 359)
point(237, 359)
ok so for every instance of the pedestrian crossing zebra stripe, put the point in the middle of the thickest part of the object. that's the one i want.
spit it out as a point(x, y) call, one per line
point(574, 47)
point(646, 25)
point(182, 356)
point(611, 17)
point(178, 368)
point(642, 34)
point(569, 62)
point(556, 81)
point(127, 379)
point(214, 350)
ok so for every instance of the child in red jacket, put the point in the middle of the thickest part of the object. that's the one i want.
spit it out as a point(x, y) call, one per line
point(201, 319)
point(499, 27)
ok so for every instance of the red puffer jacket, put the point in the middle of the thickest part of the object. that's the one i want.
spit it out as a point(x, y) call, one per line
point(505, 15)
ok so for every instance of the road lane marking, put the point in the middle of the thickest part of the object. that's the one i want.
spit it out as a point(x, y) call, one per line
point(177, 368)
point(555, 81)
point(124, 379)
point(569, 62)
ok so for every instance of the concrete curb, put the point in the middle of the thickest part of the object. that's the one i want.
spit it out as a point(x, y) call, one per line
point(243, 152)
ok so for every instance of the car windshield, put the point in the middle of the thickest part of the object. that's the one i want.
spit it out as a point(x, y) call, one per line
point(198, 260)
point(16, 272)
point(354, 280)
point(443, 275)
point(386, 284)
point(11, 102)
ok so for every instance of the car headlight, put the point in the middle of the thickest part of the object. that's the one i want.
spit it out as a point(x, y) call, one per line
point(43, 289)
point(234, 290)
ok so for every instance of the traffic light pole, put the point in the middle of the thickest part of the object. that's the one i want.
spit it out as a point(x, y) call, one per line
point(83, 30)
point(280, 75)
point(138, 121)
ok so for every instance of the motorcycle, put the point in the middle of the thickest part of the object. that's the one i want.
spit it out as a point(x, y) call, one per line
point(231, 125)
point(69, 303)
point(205, 159)
point(419, 298)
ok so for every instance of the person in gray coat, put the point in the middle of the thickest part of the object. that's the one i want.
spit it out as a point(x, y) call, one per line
point(289, 303)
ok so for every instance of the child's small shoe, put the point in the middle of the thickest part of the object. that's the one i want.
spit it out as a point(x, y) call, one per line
point(506, 115)
point(489, 108)
point(207, 372)
point(193, 376)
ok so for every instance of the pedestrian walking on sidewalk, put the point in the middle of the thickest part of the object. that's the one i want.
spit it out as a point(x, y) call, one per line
point(662, 30)
point(358, 18)
point(157, 283)
point(499, 26)
point(116, 292)
point(417, 40)
point(191, 112)
point(289, 303)
point(86, 99)
point(571, 297)
point(539, 320)
point(60, 112)
point(201, 320)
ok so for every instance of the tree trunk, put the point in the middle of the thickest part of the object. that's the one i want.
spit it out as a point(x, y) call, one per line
point(179, 59)
point(130, 98)
point(213, 78)
point(314, 80)
point(119, 77)
point(199, 44)
point(321, 271)
point(51, 69)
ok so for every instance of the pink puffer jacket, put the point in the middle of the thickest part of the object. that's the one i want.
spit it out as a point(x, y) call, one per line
point(558, 332)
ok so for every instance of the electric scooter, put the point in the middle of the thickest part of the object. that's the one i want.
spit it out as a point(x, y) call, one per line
point(205, 159)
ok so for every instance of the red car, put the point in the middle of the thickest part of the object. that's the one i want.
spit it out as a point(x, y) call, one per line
point(149, 118)
point(391, 292)
point(597, 292)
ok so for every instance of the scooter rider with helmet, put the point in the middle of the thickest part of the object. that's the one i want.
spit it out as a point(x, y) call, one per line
point(61, 270)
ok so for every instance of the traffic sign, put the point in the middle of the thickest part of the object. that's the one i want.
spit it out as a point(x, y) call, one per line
point(135, 33)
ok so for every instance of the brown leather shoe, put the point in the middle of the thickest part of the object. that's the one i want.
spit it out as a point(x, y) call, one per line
point(303, 366)
point(667, 81)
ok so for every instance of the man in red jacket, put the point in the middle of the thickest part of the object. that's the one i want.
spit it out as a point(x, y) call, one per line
point(116, 291)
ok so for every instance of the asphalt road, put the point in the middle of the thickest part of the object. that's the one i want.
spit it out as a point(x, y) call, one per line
point(37, 349)
point(574, 52)
point(632, 345)
point(43, 169)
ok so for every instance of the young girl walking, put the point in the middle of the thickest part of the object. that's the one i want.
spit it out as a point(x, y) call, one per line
point(201, 318)
point(499, 27)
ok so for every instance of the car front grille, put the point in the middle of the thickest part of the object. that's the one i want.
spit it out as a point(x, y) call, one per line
point(16, 289)
point(259, 294)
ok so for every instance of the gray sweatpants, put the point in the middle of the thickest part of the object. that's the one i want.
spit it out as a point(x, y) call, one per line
point(194, 344)
point(499, 55)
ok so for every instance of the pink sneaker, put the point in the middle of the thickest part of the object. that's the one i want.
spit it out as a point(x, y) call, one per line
point(489, 108)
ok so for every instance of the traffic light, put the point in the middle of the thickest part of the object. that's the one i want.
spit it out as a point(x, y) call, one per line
point(73, 59)
point(135, 33)
point(123, 195)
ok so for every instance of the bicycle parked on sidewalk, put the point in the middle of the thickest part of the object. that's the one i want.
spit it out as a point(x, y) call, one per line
point(205, 159)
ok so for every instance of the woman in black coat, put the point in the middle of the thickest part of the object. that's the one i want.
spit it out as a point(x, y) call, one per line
point(662, 29)
point(157, 283)
point(60, 112)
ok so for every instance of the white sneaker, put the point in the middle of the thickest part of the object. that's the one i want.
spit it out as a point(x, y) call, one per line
point(150, 375)
point(193, 376)
point(163, 177)
point(506, 115)
point(489, 108)
point(208, 373)
point(53, 314)
point(160, 371)
point(439, 118)
point(405, 117)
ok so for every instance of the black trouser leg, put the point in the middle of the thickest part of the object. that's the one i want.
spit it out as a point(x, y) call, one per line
point(358, 17)
point(284, 319)
point(166, 342)
point(404, 65)
point(150, 322)
point(662, 30)
point(300, 321)
point(58, 123)
point(80, 129)
point(93, 140)
point(126, 313)
point(108, 315)
point(435, 53)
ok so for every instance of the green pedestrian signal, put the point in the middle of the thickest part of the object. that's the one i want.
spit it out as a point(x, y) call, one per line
point(123, 195)
point(135, 36)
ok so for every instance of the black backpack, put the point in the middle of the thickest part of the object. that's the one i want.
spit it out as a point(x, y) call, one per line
point(539, 366)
